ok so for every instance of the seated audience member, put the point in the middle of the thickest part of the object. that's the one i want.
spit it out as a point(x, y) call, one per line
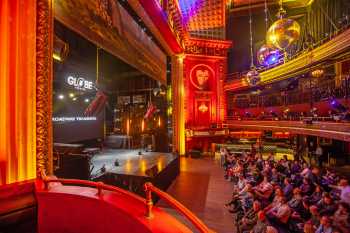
point(277, 201)
point(315, 216)
point(344, 188)
point(306, 172)
point(326, 205)
point(295, 167)
point(325, 226)
point(306, 188)
point(275, 176)
point(279, 216)
point(341, 218)
point(316, 196)
point(264, 190)
point(288, 188)
point(261, 224)
point(250, 219)
point(296, 201)
point(308, 227)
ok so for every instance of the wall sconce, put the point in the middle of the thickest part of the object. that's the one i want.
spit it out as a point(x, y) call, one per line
point(203, 108)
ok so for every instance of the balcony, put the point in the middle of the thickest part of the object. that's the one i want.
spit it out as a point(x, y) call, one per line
point(333, 130)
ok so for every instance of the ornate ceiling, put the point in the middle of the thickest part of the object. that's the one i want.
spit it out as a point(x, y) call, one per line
point(204, 18)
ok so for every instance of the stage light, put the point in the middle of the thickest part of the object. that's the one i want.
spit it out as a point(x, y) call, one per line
point(61, 97)
point(74, 99)
point(86, 100)
point(71, 95)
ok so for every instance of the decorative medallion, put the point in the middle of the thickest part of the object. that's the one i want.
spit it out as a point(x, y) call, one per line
point(199, 76)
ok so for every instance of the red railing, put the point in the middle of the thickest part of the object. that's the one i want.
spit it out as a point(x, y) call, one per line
point(149, 188)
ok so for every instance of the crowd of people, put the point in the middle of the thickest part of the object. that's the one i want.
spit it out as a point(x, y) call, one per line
point(285, 196)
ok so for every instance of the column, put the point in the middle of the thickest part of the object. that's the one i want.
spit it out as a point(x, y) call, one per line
point(177, 82)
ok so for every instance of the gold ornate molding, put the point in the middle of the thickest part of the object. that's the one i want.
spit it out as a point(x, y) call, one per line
point(217, 48)
point(44, 42)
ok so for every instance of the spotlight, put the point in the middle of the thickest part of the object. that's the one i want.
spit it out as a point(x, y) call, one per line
point(86, 100)
point(74, 99)
point(61, 97)
point(71, 95)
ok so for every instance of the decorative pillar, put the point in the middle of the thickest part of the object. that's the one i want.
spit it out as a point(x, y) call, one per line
point(44, 43)
point(177, 82)
point(338, 74)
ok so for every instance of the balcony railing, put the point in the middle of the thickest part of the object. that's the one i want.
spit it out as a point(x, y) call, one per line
point(324, 92)
point(149, 188)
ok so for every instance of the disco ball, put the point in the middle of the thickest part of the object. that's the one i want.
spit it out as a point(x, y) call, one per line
point(283, 33)
point(268, 55)
point(253, 77)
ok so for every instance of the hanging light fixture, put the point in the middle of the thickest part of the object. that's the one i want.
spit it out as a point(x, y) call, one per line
point(253, 76)
point(317, 73)
point(284, 32)
point(268, 55)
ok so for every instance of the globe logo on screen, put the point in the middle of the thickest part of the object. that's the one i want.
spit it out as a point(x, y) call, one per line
point(80, 83)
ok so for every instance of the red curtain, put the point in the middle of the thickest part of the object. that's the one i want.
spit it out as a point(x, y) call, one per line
point(17, 90)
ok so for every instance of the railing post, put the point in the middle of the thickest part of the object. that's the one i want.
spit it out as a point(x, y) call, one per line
point(99, 188)
point(149, 202)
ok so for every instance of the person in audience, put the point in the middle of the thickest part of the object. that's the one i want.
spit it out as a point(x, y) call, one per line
point(288, 188)
point(308, 227)
point(287, 196)
point(315, 216)
point(279, 217)
point(325, 226)
point(250, 219)
point(264, 190)
point(277, 201)
point(261, 224)
point(341, 217)
point(326, 205)
point(344, 188)
point(306, 188)
point(296, 200)
point(316, 196)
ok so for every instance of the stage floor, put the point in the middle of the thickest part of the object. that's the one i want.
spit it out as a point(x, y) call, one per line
point(130, 163)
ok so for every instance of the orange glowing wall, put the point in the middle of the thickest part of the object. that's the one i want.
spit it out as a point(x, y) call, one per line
point(17, 90)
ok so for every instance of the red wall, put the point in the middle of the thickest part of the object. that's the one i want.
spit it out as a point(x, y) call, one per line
point(205, 93)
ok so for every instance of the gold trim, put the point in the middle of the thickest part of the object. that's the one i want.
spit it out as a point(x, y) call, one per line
point(44, 42)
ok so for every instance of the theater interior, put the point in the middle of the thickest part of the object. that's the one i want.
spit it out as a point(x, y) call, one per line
point(175, 116)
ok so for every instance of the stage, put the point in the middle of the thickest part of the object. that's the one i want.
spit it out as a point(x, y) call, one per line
point(130, 162)
point(133, 170)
